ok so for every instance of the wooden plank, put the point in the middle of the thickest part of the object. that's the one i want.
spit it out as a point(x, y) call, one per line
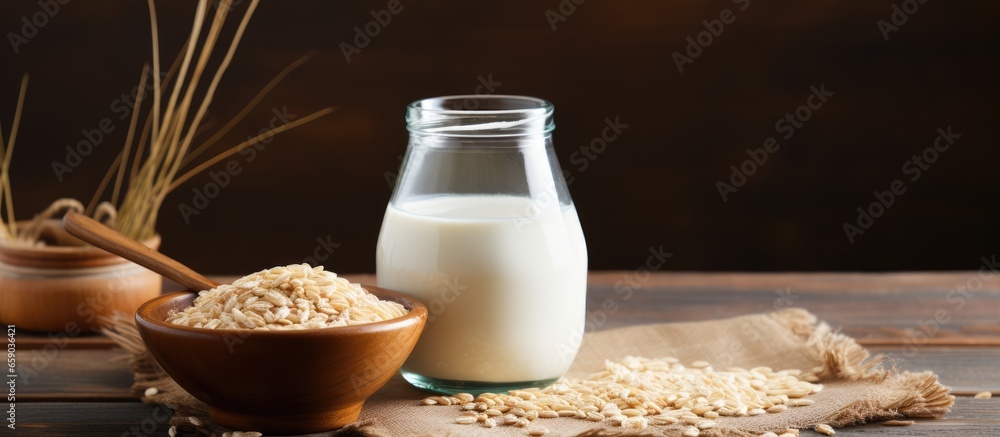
point(80, 375)
point(91, 419)
point(905, 309)
point(971, 417)
point(101, 375)
point(967, 370)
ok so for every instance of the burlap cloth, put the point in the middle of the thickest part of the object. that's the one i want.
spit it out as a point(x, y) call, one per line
point(858, 387)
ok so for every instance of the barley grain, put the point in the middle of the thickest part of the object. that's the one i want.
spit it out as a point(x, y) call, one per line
point(898, 422)
point(539, 431)
point(465, 420)
point(297, 296)
point(777, 408)
point(152, 391)
point(635, 392)
point(825, 429)
point(194, 421)
point(691, 432)
point(983, 395)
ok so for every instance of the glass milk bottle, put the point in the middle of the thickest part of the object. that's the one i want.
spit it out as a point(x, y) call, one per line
point(481, 228)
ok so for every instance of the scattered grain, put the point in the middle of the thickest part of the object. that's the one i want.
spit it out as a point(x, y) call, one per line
point(194, 421)
point(825, 429)
point(898, 422)
point(152, 391)
point(983, 395)
point(538, 431)
point(691, 432)
point(777, 408)
point(465, 420)
point(638, 391)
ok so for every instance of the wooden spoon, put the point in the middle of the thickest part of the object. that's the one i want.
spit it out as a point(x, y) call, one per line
point(93, 232)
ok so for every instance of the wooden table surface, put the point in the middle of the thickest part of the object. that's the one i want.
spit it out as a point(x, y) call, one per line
point(946, 322)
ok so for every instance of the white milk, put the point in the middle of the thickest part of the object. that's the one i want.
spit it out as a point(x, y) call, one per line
point(505, 285)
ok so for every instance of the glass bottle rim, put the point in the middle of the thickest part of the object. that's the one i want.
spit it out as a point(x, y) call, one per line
point(472, 115)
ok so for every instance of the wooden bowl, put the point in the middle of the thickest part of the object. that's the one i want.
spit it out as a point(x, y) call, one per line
point(291, 382)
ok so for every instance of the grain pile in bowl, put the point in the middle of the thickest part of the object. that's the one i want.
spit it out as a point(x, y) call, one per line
point(297, 296)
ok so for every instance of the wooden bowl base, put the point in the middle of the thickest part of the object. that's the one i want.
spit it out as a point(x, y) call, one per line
point(299, 423)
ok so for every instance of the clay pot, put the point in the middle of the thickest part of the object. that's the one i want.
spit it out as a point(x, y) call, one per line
point(69, 287)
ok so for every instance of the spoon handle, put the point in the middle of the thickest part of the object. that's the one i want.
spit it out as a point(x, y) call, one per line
point(93, 232)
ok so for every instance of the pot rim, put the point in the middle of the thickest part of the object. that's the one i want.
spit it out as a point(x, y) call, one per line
point(60, 257)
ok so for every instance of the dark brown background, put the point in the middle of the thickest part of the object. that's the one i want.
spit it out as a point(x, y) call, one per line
point(654, 186)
